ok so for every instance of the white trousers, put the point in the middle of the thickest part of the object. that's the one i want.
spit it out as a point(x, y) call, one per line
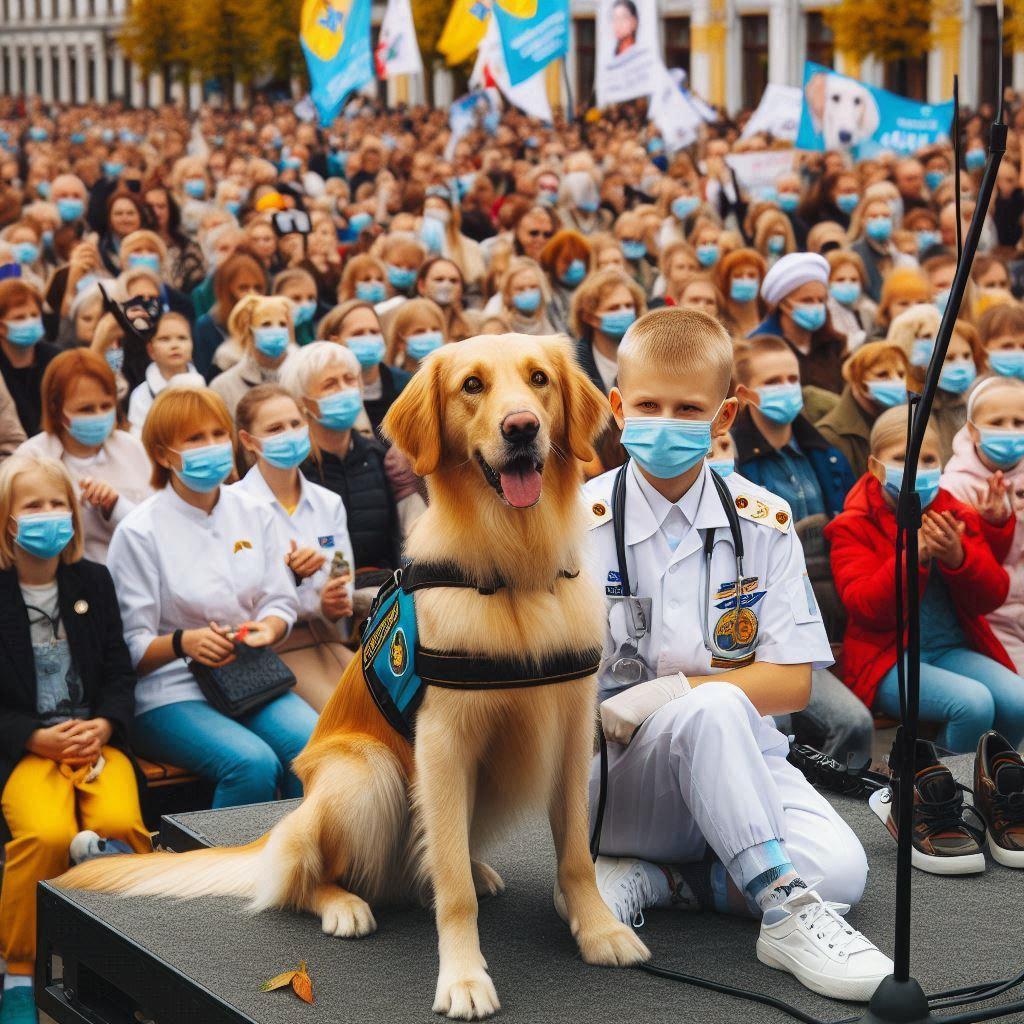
point(707, 770)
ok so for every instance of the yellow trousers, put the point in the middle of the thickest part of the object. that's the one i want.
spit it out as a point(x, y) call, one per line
point(45, 804)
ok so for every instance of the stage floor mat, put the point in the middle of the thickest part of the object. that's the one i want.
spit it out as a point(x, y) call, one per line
point(965, 929)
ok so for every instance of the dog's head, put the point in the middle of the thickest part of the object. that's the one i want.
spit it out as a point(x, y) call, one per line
point(842, 109)
point(507, 412)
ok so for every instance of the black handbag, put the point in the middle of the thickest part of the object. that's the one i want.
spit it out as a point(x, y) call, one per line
point(254, 678)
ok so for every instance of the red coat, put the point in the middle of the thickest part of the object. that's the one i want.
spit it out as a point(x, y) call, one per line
point(863, 545)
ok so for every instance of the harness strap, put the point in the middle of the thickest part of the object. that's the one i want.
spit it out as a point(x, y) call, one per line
point(460, 671)
point(422, 575)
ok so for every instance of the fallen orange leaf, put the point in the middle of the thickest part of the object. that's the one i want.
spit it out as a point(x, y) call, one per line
point(279, 982)
point(302, 985)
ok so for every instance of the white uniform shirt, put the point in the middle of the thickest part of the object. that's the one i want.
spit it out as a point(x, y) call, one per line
point(777, 591)
point(144, 395)
point(319, 521)
point(175, 567)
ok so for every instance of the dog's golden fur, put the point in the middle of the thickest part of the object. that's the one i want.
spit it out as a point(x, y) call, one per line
point(384, 820)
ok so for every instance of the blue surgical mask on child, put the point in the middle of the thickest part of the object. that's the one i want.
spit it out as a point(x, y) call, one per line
point(44, 534)
point(780, 403)
point(367, 348)
point(1005, 448)
point(616, 323)
point(666, 447)
point(92, 430)
point(419, 346)
point(809, 317)
point(846, 293)
point(1008, 362)
point(144, 261)
point(957, 377)
point(887, 393)
point(926, 483)
point(270, 341)
point(287, 450)
point(371, 291)
point(204, 469)
point(527, 301)
point(743, 289)
point(340, 410)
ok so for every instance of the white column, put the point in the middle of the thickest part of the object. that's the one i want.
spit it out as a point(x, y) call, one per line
point(31, 85)
point(971, 57)
point(700, 58)
point(117, 85)
point(734, 61)
point(102, 85)
point(195, 93)
point(136, 87)
point(46, 85)
point(443, 87)
point(64, 74)
point(780, 42)
point(1018, 70)
point(240, 94)
point(156, 89)
point(82, 71)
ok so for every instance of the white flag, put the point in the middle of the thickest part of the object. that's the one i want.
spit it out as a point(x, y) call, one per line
point(530, 96)
point(398, 52)
point(677, 118)
point(778, 112)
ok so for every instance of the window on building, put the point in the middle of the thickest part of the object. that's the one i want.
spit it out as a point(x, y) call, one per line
point(909, 77)
point(586, 62)
point(677, 43)
point(820, 45)
point(754, 31)
point(988, 44)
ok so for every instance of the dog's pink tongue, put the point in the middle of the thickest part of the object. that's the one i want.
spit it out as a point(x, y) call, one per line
point(521, 487)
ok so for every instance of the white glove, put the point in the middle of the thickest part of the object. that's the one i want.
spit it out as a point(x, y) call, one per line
point(624, 713)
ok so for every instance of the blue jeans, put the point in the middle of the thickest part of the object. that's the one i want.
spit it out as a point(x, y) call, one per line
point(967, 692)
point(249, 758)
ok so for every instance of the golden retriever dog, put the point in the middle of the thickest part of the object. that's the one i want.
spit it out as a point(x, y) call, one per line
point(499, 426)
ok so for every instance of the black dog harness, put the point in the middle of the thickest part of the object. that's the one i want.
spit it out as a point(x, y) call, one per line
point(397, 669)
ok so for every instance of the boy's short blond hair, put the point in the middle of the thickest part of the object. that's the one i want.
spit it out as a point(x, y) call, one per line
point(681, 341)
point(747, 350)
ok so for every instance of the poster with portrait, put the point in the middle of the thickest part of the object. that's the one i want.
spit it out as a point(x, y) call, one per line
point(628, 59)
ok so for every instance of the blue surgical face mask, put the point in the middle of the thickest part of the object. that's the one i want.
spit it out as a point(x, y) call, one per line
point(432, 234)
point(270, 341)
point(846, 293)
point(616, 323)
point(92, 430)
point(359, 221)
point(205, 469)
point(291, 163)
point(707, 255)
point(1008, 362)
point(975, 159)
point(926, 483)
point(401, 278)
point(419, 346)
point(809, 317)
point(574, 273)
point(776, 244)
point(683, 206)
point(847, 201)
point(723, 467)
point(743, 289)
point(70, 209)
point(941, 300)
point(195, 188)
point(666, 447)
point(288, 450)
point(305, 311)
point(780, 403)
point(107, 135)
point(25, 252)
point(1005, 448)
point(527, 301)
point(24, 333)
point(547, 196)
point(921, 351)
point(233, 206)
point(371, 291)
point(367, 348)
point(112, 168)
point(927, 240)
point(44, 534)
point(115, 359)
point(587, 205)
point(634, 250)
point(38, 134)
point(933, 179)
point(340, 410)
point(48, 237)
point(145, 260)
point(956, 378)
point(78, 138)
point(879, 229)
point(887, 393)
point(788, 202)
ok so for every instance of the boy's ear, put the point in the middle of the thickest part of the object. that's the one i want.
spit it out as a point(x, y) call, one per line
point(726, 417)
point(747, 395)
point(615, 401)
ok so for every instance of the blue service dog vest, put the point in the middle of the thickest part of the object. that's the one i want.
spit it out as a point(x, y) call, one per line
point(397, 669)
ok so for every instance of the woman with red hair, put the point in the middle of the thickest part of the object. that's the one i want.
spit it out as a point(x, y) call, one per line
point(24, 354)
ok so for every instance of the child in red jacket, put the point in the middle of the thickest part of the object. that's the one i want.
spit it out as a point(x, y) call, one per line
point(967, 680)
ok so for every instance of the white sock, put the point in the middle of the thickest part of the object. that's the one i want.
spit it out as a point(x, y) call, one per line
point(17, 981)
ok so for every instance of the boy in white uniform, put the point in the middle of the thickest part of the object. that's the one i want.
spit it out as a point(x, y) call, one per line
point(703, 809)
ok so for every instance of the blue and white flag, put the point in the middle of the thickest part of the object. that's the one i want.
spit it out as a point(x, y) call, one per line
point(335, 37)
point(843, 113)
point(532, 38)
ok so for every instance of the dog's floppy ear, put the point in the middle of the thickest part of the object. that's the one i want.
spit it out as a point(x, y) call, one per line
point(869, 118)
point(413, 423)
point(585, 409)
point(815, 93)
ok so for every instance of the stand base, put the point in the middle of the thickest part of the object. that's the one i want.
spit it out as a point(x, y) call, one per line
point(898, 1002)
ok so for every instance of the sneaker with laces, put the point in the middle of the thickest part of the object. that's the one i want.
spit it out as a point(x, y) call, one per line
point(809, 939)
point(948, 834)
point(999, 797)
point(624, 885)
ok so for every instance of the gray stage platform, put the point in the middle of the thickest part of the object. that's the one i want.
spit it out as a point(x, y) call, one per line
point(966, 929)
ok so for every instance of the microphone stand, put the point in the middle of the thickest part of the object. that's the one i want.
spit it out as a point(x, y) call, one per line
point(900, 998)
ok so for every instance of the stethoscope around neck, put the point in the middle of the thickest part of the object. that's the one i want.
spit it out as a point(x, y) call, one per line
point(629, 667)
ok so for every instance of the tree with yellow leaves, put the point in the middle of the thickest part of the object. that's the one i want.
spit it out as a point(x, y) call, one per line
point(152, 35)
point(882, 29)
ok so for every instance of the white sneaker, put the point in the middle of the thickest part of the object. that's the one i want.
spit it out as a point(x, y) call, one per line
point(809, 938)
point(624, 886)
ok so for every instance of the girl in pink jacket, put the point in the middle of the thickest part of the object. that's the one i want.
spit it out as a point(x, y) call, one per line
point(987, 471)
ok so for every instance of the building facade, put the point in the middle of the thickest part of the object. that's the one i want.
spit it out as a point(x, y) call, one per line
point(66, 51)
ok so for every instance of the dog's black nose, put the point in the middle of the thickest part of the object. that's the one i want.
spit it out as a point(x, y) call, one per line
point(845, 136)
point(520, 427)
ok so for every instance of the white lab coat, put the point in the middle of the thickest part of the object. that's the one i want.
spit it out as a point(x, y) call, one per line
point(144, 395)
point(175, 567)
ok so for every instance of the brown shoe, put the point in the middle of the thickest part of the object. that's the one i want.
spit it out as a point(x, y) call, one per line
point(999, 797)
point(944, 842)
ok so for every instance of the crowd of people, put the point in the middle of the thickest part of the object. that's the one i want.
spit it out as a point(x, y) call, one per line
point(224, 481)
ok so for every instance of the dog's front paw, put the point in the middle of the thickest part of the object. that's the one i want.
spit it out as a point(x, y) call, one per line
point(346, 916)
point(486, 880)
point(615, 945)
point(470, 996)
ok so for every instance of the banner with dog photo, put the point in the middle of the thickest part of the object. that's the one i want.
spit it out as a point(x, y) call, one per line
point(628, 59)
point(842, 113)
